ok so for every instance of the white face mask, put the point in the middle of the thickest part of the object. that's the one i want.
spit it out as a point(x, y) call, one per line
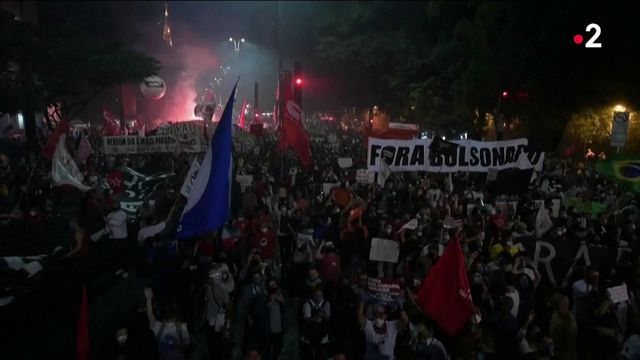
point(264, 230)
point(122, 339)
point(379, 322)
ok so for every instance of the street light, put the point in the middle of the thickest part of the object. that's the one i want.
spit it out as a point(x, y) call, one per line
point(236, 43)
point(619, 108)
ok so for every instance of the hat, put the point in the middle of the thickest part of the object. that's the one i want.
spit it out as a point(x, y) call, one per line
point(221, 275)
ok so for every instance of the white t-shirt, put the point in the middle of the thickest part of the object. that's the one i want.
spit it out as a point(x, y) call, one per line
point(380, 346)
point(117, 224)
point(150, 231)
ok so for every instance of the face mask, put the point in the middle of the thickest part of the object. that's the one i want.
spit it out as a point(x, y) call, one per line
point(317, 298)
point(264, 230)
point(379, 322)
point(122, 339)
point(510, 243)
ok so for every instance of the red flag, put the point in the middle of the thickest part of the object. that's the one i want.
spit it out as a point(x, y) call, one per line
point(82, 336)
point(292, 133)
point(244, 108)
point(115, 179)
point(445, 295)
point(111, 127)
point(52, 142)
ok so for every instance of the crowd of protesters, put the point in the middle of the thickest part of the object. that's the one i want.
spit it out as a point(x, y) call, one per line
point(296, 256)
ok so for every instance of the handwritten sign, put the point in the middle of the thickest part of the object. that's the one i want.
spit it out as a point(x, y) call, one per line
point(384, 290)
point(384, 250)
point(618, 294)
point(365, 177)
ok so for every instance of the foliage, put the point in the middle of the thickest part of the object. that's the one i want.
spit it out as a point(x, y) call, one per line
point(69, 66)
point(590, 125)
point(445, 64)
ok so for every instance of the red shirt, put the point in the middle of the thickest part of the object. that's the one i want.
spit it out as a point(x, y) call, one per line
point(266, 242)
point(115, 178)
point(330, 268)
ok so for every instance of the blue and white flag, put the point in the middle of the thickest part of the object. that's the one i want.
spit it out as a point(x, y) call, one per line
point(207, 208)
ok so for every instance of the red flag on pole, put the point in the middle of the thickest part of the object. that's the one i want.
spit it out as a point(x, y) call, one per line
point(445, 295)
point(244, 108)
point(111, 126)
point(82, 336)
point(52, 142)
point(292, 133)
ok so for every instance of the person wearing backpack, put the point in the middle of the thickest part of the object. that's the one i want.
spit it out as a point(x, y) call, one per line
point(172, 336)
point(316, 314)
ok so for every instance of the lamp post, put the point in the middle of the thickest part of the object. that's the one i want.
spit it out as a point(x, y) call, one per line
point(236, 43)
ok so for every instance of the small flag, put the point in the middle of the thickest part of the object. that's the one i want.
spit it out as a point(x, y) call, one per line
point(241, 120)
point(292, 133)
point(411, 225)
point(442, 147)
point(64, 170)
point(207, 208)
point(111, 126)
point(445, 294)
point(543, 221)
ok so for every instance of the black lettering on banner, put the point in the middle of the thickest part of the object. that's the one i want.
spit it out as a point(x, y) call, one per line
point(435, 160)
point(534, 157)
point(450, 160)
point(462, 160)
point(498, 156)
point(388, 153)
point(473, 152)
point(403, 156)
point(485, 157)
point(519, 151)
point(375, 153)
point(417, 157)
point(511, 152)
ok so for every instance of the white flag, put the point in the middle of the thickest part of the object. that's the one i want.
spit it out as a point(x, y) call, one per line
point(64, 170)
point(543, 221)
point(411, 225)
point(384, 173)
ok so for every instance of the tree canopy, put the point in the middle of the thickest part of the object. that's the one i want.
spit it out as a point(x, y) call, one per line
point(69, 66)
point(446, 64)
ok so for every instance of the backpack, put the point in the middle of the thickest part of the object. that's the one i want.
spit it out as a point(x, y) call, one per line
point(170, 347)
point(314, 332)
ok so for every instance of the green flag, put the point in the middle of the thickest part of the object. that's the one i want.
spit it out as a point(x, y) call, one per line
point(623, 170)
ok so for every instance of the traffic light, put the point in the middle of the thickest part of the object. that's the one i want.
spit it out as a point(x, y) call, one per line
point(297, 88)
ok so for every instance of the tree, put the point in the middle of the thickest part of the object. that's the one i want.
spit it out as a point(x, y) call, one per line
point(446, 63)
point(62, 67)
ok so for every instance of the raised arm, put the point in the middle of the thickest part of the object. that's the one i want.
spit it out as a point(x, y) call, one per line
point(362, 320)
point(148, 293)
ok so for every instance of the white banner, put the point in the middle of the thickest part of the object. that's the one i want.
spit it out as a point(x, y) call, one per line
point(190, 134)
point(384, 250)
point(191, 177)
point(470, 156)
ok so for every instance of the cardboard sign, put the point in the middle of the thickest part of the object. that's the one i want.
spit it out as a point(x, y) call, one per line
point(245, 181)
point(326, 187)
point(384, 250)
point(365, 177)
point(345, 163)
point(618, 294)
